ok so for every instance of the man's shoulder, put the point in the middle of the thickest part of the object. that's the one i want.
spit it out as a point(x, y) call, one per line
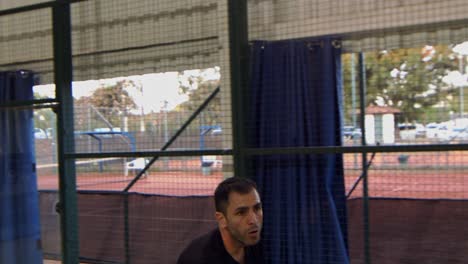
point(196, 251)
point(201, 241)
point(254, 254)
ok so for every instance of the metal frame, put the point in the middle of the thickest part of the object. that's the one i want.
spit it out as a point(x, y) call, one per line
point(238, 49)
point(238, 35)
point(63, 72)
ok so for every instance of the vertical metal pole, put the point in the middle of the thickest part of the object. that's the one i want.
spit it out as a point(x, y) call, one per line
point(238, 48)
point(353, 103)
point(88, 128)
point(365, 192)
point(166, 130)
point(353, 90)
point(65, 139)
point(462, 100)
point(166, 134)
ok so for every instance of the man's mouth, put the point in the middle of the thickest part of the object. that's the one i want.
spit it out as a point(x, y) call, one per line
point(253, 232)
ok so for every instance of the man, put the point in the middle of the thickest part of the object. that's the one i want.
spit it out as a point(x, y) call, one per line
point(236, 240)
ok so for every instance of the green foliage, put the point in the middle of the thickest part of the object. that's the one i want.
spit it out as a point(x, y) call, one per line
point(211, 114)
point(114, 97)
point(198, 90)
point(407, 79)
point(112, 101)
point(44, 118)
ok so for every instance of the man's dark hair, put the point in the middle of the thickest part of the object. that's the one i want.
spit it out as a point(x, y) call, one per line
point(233, 184)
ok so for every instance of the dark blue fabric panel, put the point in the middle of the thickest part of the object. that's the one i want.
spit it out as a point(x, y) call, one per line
point(19, 198)
point(295, 101)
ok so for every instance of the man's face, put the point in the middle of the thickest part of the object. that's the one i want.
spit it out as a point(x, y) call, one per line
point(244, 217)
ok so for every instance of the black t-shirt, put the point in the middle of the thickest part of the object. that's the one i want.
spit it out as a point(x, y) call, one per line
point(209, 249)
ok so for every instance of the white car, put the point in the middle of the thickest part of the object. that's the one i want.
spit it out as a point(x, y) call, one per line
point(39, 133)
point(459, 133)
point(443, 132)
point(431, 130)
point(420, 131)
point(50, 132)
point(407, 131)
point(350, 132)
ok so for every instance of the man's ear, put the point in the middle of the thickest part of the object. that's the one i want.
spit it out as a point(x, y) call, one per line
point(221, 219)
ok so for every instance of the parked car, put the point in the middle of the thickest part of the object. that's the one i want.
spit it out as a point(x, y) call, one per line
point(39, 133)
point(453, 133)
point(350, 132)
point(50, 132)
point(407, 131)
point(420, 131)
point(431, 130)
point(443, 132)
point(460, 133)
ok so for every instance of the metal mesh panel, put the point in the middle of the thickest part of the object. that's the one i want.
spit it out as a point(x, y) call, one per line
point(27, 43)
point(152, 92)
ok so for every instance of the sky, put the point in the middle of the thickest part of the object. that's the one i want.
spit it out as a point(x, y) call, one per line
point(461, 48)
point(456, 78)
point(158, 88)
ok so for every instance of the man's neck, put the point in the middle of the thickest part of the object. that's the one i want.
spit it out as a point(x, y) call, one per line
point(232, 246)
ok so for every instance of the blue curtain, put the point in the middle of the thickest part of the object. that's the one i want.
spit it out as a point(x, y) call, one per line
point(295, 101)
point(19, 199)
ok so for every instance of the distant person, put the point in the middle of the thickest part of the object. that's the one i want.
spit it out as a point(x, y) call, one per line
point(236, 240)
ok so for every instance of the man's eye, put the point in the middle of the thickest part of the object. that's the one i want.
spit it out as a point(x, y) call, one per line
point(240, 213)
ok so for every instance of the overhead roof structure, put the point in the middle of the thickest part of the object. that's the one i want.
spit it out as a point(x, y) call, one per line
point(120, 38)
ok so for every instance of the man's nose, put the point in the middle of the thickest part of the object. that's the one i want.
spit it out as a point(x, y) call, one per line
point(253, 218)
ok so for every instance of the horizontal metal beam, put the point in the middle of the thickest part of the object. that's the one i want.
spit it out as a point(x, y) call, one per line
point(276, 151)
point(355, 149)
point(160, 153)
point(39, 103)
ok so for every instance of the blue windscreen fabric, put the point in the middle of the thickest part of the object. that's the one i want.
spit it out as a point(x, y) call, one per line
point(295, 102)
point(20, 240)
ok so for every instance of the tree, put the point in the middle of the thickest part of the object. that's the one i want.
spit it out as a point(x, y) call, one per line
point(198, 90)
point(44, 118)
point(112, 101)
point(350, 70)
point(211, 114)
point(408, 79)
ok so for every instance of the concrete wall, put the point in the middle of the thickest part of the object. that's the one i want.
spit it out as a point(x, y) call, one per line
point(114, 38)
point(120, 37)
point(388, 128)
point(306, 18)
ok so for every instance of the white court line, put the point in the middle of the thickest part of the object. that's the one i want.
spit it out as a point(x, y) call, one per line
point(397, 189)
point(403, 187)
